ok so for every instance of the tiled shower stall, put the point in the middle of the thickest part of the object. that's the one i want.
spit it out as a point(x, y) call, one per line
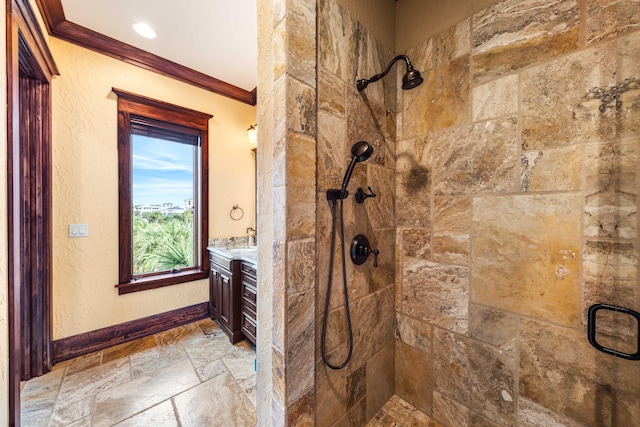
point(507, 198)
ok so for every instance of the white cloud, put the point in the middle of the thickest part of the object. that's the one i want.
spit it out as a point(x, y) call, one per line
point(160, 164)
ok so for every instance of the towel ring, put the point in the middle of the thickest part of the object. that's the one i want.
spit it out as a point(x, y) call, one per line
point(236, 216)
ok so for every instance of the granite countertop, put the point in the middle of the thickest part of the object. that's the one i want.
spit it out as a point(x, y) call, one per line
point(249, 254)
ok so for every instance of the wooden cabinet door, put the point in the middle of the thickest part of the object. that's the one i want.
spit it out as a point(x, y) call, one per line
point(225, 298)
point(214, 297)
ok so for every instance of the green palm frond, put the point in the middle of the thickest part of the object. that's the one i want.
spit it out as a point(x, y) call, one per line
point(163, 244)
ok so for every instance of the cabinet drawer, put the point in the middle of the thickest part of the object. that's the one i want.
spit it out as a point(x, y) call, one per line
point(250, 312)
point(248, 269)
point(249, 282)
point(249, 328)
point(249, 293)
point(248, 306)
point(220, 261)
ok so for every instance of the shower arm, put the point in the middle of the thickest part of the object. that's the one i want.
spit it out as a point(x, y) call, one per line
point(363, 83)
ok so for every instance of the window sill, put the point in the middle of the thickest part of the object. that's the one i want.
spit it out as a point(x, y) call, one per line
point(154, 282)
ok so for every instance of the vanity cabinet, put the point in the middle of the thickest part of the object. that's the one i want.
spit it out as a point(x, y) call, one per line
point(224, 295)
point(233, 294)
point(248, 302)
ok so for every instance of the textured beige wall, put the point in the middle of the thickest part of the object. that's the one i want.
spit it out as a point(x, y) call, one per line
point(417, 20)
point(4, 307)
point(376, 16)
point(85, 190)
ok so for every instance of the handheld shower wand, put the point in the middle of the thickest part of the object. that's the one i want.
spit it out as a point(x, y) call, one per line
point(360, 151)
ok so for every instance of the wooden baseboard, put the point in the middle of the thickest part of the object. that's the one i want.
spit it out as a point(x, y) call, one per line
point(79, 345)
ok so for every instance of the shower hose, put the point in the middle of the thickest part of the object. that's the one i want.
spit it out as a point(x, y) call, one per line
point(329, 283)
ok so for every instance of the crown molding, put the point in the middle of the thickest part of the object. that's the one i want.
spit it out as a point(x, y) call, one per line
point(59, 27)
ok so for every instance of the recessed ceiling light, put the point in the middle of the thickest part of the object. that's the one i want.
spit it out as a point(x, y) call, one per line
point(144, 30)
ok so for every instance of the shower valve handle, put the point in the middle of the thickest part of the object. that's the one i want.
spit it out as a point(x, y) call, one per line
point(360, 250)
point(375, 257)
point(361, 196)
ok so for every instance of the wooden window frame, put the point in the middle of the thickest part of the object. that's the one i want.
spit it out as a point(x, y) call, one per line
point(130, 104)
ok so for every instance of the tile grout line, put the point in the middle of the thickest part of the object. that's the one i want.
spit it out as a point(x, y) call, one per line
point(239, 383)
point(181, 344)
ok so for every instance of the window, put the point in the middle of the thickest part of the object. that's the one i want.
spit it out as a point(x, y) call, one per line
point(163, 187)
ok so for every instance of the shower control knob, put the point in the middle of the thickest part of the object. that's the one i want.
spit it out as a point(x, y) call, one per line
point(361, 249)
point(361, 196)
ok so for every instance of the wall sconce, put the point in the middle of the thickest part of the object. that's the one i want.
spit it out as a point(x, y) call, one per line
point(252, 133)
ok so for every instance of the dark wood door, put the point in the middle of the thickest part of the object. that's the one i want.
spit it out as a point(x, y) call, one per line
point(30, 68)
point(34, 231)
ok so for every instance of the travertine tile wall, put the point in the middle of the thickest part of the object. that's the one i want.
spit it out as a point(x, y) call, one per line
point(294, 386)
point(265, 215)
point(513, 208)
point(286, 211)
point(517, 184)
point(346, 51)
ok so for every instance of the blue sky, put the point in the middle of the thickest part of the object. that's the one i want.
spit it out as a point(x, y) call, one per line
point(162, 171)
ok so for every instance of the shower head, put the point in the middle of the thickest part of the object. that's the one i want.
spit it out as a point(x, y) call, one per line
point(411, 79)
point(360, 151)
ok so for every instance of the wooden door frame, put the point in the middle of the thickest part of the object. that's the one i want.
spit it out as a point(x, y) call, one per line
point(27, 52)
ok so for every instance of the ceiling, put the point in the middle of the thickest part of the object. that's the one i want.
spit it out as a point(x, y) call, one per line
point(215, 37)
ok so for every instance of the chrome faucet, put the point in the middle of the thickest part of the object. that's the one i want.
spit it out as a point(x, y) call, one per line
point(251, 241)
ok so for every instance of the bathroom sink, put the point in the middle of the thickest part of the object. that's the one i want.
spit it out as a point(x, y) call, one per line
point(249, 254)
point(252, 250)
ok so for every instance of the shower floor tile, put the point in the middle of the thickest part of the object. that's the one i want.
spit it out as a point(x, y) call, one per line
point(400, 413)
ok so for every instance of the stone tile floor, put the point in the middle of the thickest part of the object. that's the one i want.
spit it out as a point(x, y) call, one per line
point(400, 413)
point(187, 376)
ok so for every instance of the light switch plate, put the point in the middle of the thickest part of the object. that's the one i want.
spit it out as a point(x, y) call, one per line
point(78, 230)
